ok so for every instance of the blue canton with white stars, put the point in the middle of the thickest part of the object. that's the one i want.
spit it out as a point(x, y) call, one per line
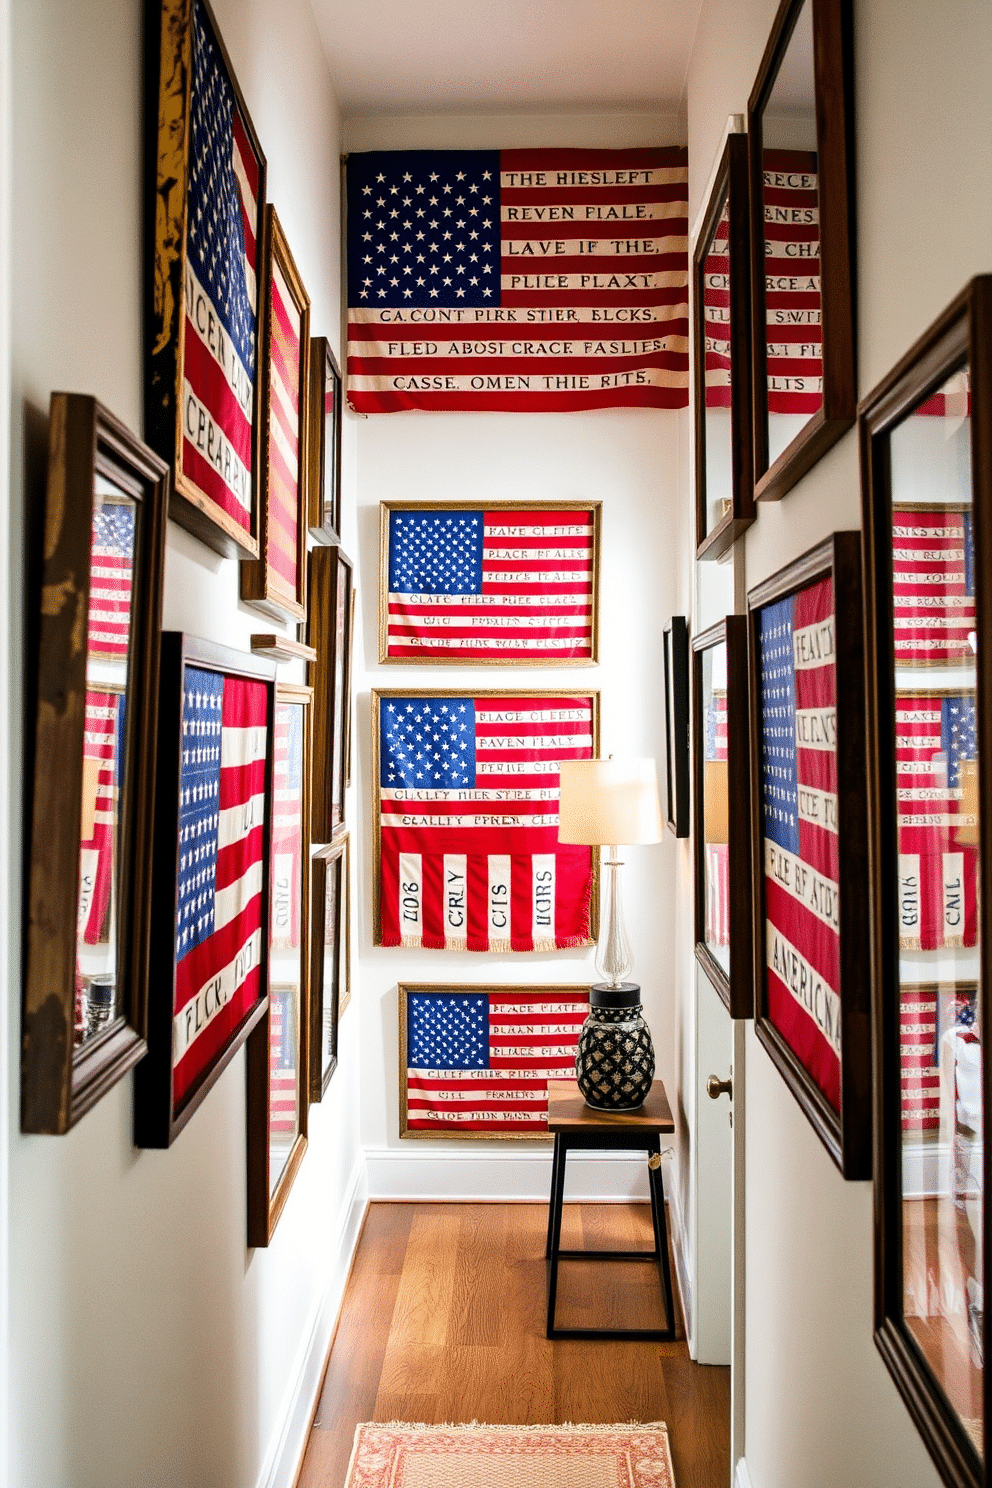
point(423, 228)
point(113, 523)
point(199, 807)
point(447, 1031)
point(435, 554)
point(427, 743)
point(778, 725)
point(958, 738)
point(215, 237)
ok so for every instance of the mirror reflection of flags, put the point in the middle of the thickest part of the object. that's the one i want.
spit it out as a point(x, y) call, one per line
point(287, 825)
point(111, 576)
point(717, 848)
point(103, 765)
point(282, 1059)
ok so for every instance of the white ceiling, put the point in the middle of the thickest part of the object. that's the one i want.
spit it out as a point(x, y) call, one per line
point(450, 56)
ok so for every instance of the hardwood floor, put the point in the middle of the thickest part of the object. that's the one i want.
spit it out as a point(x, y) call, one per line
point(443, 1320)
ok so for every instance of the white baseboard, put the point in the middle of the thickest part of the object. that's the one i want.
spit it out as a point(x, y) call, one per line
point(742, 1478)
point(285, 1455)
point(680, 1250)
point(417, 1173)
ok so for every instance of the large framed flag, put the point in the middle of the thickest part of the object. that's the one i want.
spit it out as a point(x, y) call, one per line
point(205, 206)
point(812, 999)
point(475, 1061)
point(465, 786)
point(208, 971)
point(525, 281)
point(508, 585)
point(933, 586)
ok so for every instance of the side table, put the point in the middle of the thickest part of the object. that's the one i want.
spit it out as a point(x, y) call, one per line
point(576, 1125)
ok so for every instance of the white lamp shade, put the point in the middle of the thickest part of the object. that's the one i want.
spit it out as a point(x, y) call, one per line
point(609, 801)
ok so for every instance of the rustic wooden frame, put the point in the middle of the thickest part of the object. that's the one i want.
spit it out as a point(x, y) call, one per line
point(676, 664)
point(847, 1134)
point(330, 568)
point(59, 1084)
point(158, 1119)
point(168, 70)
point(261, 585)
point(378, 693)
point(336, 858)
point(324, 516)
point(833, 46)
point(387, 507)
point(736, 991)
point(404, 990)
point(265, 1208)
point(961, 336)
point(730, 193)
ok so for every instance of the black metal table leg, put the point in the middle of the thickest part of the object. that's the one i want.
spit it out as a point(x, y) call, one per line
point(657, 1187)
point(554, 1227)
point(556, 1159)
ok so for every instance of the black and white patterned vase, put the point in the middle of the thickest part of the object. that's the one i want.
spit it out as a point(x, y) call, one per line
point(614, 1063)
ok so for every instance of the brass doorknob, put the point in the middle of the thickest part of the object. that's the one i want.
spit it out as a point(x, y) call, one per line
point(715, 1087)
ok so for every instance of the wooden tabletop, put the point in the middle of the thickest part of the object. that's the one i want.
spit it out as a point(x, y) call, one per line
point(567, 1111)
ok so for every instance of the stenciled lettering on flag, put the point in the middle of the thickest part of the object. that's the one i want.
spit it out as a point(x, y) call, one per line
point(925, 1014)
point(103, 763)
point(480, 1061)
point(716, 314)
point(717, 926)
point(936, 745)
point(284, 516)
point(218, 397)
point(933, 586)
point(219, 890)
point(798, 684)
point(287, 826)
point(468, 803)
point(111, 578)
point(498, 585)
point(282, 1062)
point(792, 282)
point(521, 280)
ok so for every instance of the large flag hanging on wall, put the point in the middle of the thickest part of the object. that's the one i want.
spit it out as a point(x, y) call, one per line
point(525, 281)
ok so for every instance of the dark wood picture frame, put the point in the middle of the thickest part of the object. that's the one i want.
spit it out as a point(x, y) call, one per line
point(462, 658)
point(59, 1082)
point(262, 585)
point(159, 1116)
point(676, 664)
point(735, 989)
point(266, 1201)
point(961, 336)
point(169, 46)
point(328, 1003)
point(845, 1134)
point(324, 443)
point(329, 631)
point(833, 55)
point(728, 199)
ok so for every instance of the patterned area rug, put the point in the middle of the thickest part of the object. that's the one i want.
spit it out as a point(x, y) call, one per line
point(406, 1456)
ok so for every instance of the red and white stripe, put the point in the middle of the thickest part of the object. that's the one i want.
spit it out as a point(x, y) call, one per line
point(96, 854)
point(287, 832)
point(792, 282)
point(919, 1076)
point(932, 614)
point(283, 1082)
point(111, 579)
point(284, 516)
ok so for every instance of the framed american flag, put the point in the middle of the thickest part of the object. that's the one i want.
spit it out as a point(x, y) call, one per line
point(209, 959)
point(330, 958)
point(676, 667)
point(276, 581)
point(475, 1061)
point(926, 487)
point(812, 988)
point(329, 631)
point(324, 443)
point(465, 792)
point(513, 584)
point(722, 799)
point(205, 198)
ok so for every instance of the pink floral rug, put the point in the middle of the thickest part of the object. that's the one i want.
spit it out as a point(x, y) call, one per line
point(398, 1455)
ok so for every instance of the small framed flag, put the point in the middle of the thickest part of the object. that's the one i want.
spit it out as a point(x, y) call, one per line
point(475, 1061)
point(205, 202)
point(676, 667)
point(812, 995)
point(330, 626)
point(208, 967)
point(466, 847)
point(330, 958)
point(509, 585)
point(324, 443)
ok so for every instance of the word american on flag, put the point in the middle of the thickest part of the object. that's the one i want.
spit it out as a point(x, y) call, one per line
point(521, 280)
point(111, 578)
point(936, 747)
point(467, 791)
point(283, 1071)
point(717, 861)
point(925, 1014)
point(798, 765)
point(220, 887)
point(500, 584)
point(223, 216)
point(103, 765)
point(287, 824)
point(933, 586)
point(476, 1061)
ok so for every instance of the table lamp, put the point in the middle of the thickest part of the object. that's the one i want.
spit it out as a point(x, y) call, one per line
point(609, 803)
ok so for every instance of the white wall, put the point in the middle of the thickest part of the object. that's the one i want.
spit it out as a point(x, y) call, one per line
point(820, 1408)
point(629, 460)
point(147, 1343)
